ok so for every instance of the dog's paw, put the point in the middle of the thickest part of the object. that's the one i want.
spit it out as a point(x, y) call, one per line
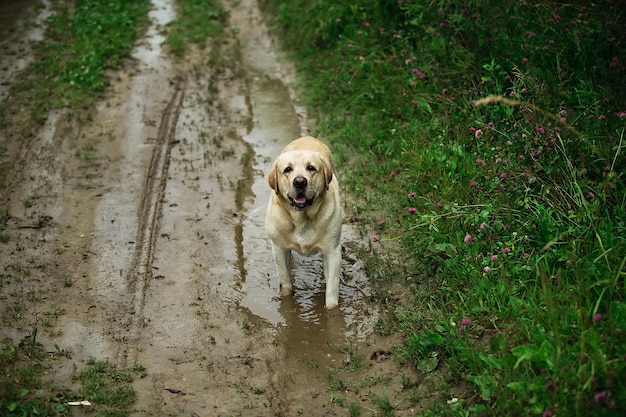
point(330, 304)
point(285, 291)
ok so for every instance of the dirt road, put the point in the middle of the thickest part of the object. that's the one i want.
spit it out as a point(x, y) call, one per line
point(144, 232)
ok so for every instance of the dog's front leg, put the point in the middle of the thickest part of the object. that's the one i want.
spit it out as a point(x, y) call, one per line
point(282, 259)
point(332, 272)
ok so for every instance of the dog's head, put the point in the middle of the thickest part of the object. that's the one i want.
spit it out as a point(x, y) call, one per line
point(300, 176)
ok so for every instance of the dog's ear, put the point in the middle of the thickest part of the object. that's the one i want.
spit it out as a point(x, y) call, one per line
point(272, 178)
point(328, 172)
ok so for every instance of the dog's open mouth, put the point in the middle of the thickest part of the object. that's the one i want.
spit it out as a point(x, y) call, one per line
point(300, 202)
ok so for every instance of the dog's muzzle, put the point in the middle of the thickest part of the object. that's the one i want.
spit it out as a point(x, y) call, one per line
point(300, 202)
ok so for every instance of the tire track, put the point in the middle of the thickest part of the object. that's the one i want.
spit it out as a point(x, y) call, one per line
point(140, 275)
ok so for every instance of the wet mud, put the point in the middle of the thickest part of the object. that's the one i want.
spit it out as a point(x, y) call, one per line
point(160, 233)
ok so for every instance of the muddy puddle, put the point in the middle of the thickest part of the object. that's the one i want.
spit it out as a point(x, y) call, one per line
point(276, 120)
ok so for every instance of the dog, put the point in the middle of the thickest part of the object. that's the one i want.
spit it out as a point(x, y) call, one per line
point(304, 213)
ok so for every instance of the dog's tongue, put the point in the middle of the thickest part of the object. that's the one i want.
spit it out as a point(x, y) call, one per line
point(300, 199)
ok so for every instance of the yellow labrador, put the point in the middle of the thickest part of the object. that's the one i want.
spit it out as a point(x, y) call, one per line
point(304, 212)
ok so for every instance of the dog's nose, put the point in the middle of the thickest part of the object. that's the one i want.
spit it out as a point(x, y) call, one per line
point(299, 182)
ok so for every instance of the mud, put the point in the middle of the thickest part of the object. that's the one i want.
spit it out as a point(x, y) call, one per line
point(147, 234)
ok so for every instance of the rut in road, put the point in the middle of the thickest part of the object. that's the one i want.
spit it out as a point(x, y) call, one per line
point(140, 272)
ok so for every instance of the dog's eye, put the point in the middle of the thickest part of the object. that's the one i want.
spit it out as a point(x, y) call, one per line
point(311, 168)
point(287, 170)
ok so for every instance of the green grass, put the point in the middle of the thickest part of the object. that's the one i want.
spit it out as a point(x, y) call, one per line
point(485, 145)
point(24, 390)
point(198, 21)
point(80, 43)
point(106, 387)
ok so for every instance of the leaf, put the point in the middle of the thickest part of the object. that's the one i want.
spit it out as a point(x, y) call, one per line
point(435, 338)
point(427, 365)
point(485, 383)
point(531, 353)
point(545, 353)
point(517, 386)
point(523, 352)
point(490, 361)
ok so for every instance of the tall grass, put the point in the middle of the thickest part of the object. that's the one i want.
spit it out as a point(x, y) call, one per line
point(485, 143)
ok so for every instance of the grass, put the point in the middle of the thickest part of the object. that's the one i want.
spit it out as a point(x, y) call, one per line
point(485, 145)
point(80, 43)
point(198, 21)
point(105, 385)
point(25, 392)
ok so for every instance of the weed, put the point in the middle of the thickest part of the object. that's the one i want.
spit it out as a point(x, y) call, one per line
point(334, 383)
point(106, 387)
point(334, 399)
point(198, 21)
point(258, 390)
point(354, 409)
point(383, 403)
point(21, 370)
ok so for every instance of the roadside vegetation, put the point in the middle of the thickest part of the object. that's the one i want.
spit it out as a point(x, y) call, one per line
point(483, 142)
